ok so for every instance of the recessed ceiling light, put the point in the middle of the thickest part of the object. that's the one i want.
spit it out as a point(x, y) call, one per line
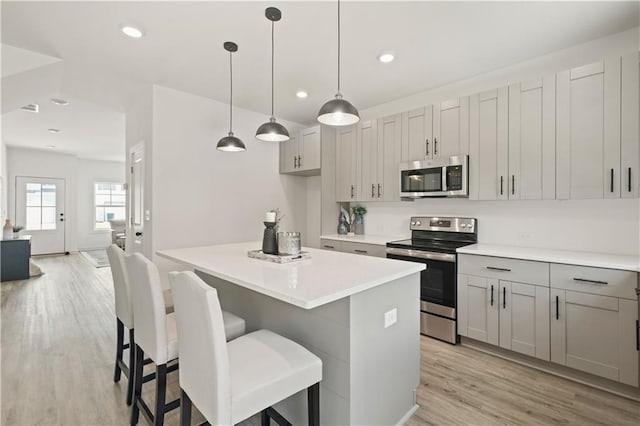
point(59, 101)
point(131, 31)
point(385, 58)
point(301, 94)
point(54, 130)
point(50, 146)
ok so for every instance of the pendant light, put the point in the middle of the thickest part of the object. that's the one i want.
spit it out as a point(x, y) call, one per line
point(272, 131)
point(338, 111)
point(230, 143)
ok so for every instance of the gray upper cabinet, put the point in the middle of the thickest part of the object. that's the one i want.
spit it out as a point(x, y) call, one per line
point(451, 128)
point(371, 161)
point(630, 136)
point(301, 154)
point(532, 140)
point(488, 145)
point(417, 134)
point(390, 145)
point(346, 164)
point(588, 106)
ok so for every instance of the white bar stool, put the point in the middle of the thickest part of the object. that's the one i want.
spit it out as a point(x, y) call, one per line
point(156, 336)
point(230, 382)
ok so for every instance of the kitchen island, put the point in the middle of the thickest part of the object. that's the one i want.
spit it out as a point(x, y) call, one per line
point(359, 314)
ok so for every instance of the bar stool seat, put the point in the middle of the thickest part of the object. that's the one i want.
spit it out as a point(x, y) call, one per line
point(265, 369)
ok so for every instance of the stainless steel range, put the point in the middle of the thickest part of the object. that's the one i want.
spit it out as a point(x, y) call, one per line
point(434, 241)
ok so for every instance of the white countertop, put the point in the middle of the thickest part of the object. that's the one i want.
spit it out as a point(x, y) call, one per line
point(599, 260)
point(326, 277)
point(379, 240)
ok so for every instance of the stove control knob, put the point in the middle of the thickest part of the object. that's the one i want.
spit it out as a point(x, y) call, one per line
point(418, 223)
point(464, 225)
point(413, 223)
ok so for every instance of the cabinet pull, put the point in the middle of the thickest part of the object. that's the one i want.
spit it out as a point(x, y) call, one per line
point(299, 161)
point(379, 190)
point(611, 180)
point(373, 191)
point(629, 180)
point(501, 184)
point(328, 246)
point(427, 140)
point(295, 162)
point(557, 308)
point(513, 184)
point(584, 280)
point(637, 335)
point(435, 146)
point(504, 298)
point(360, 251)
point(493, 268)
point(491, 294)
point(352, 188)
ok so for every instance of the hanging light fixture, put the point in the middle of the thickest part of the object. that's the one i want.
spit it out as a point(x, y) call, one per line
point(230, 143)
point(272, 131)
point(338, 111)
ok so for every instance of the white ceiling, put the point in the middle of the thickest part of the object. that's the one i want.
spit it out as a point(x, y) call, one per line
point(434, 42)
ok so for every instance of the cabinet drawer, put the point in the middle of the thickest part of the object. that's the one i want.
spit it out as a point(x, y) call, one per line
point(365, 249)
point(329, 244)
point(522, 271)
point(585, 279)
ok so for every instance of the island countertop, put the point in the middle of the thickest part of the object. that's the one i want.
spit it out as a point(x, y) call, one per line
point(326, 277)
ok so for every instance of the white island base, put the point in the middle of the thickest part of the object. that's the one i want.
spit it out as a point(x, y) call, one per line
point(369, 373)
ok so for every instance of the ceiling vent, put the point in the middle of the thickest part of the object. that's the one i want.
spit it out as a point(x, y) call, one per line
point(31, 108)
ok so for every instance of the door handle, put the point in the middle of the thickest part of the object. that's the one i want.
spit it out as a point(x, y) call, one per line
point(491, 294)
point(373, 191)
point(513, 184)
point(504, 298)
point(557, 308)
point(629, 180)
point(299, 161)
point(61, 214)
point(61, 220)
point(295, 162)
point(611, 180)
point(427, 141)
point(501, 184)
point(379, 190)
point(435, 146)
point(352, 188)
point(637, 335)
point(138, 234)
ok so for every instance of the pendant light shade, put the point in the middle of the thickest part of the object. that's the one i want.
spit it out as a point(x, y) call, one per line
point(272, 131)
point(230, 143)
point(338, 111)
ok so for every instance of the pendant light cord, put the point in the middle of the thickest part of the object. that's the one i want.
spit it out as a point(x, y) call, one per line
point(230, 94)
point(338, 46)
point(272, 61)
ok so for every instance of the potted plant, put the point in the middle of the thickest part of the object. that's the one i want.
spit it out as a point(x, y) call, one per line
point(358, 213)
point(16, 231)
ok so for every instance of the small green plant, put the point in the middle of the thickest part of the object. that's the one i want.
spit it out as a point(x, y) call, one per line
point(17, 228)
point(358, 211)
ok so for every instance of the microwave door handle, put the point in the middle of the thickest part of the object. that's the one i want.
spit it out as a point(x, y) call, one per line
point(445, 184)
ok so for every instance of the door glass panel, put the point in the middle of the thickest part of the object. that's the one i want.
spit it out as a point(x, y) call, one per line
point(41, 206)
point(48, 195)
point(34, 222)
point(33, 194)
point(48, 218)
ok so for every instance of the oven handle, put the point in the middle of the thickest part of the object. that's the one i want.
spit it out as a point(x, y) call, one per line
point(444, 257)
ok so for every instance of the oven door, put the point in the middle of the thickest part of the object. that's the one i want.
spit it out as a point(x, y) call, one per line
point(437, 282)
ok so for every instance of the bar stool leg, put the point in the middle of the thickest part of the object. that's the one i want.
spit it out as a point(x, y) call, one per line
point(185, 409)
point(137, 393)
point(132, 363)
point(313, 399)
point(161, 394)
point(119, 349)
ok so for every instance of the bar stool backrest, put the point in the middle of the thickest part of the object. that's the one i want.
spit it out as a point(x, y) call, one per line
point(124, 310)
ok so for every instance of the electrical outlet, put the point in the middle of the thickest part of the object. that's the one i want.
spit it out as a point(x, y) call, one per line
point(390, 317)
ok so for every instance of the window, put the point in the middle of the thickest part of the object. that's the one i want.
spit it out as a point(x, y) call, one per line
point(110, 203)
point(41, 206)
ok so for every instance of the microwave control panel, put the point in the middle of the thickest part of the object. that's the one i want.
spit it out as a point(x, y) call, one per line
point(454, 178)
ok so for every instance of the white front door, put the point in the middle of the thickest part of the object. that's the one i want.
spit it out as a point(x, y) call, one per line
point(135, 241)
point(40, 210)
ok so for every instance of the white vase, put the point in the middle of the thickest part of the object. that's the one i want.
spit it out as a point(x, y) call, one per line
point(7, 230)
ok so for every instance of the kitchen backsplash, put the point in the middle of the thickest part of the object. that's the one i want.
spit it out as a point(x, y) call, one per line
point(609, 226)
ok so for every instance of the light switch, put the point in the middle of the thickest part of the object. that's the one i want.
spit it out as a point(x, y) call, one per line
point(390, 317)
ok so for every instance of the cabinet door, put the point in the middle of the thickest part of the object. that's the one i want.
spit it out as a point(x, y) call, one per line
point(524, 319)
point(595, 334)
point(478, 308)
point(309, 149)
point(532, 139)
point(346, 164)
point(488, 144)
point(289, 155)
point(630, 135)
point(451, 128)
point(417, 134)
point(588, 131)
point(389, 154)
point(368, 138)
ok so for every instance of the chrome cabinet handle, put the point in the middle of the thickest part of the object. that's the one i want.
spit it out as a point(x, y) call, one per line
point(299, 161)
point(373, 191)
point(360, 251)
point(295, 162)
point(328, 246)
point(379, 190)
point(435, 146)
point(491, 294)
point(611, 180)
point(427, 140)
point(557, 308)
point(513, 184)
point(504, 298)
point(501, 184)
point(493, 268)
point(629, 180)
point(584, 280)
point(352, 188)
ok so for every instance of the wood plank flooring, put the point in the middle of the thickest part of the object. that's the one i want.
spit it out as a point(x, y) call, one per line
point(58, 347)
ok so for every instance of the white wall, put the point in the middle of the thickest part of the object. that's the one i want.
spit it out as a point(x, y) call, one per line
point(203, 196)
point(4, 176)
point(79, 175)
point(90, 172)
point(589, 225)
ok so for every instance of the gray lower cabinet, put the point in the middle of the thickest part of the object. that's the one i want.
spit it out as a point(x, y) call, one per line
point(14, 262)
point(365, 249)
point(333, 245)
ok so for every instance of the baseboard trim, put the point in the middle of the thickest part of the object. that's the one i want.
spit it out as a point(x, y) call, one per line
point(590, 380)
point(408, 415)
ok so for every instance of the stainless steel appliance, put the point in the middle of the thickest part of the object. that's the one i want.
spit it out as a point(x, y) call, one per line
point(447, 177)
point(434, 241)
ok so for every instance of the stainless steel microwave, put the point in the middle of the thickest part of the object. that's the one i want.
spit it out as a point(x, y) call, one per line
point(443, 177)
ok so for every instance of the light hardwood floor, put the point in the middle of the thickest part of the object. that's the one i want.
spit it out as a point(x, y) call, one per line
point(58, 347)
